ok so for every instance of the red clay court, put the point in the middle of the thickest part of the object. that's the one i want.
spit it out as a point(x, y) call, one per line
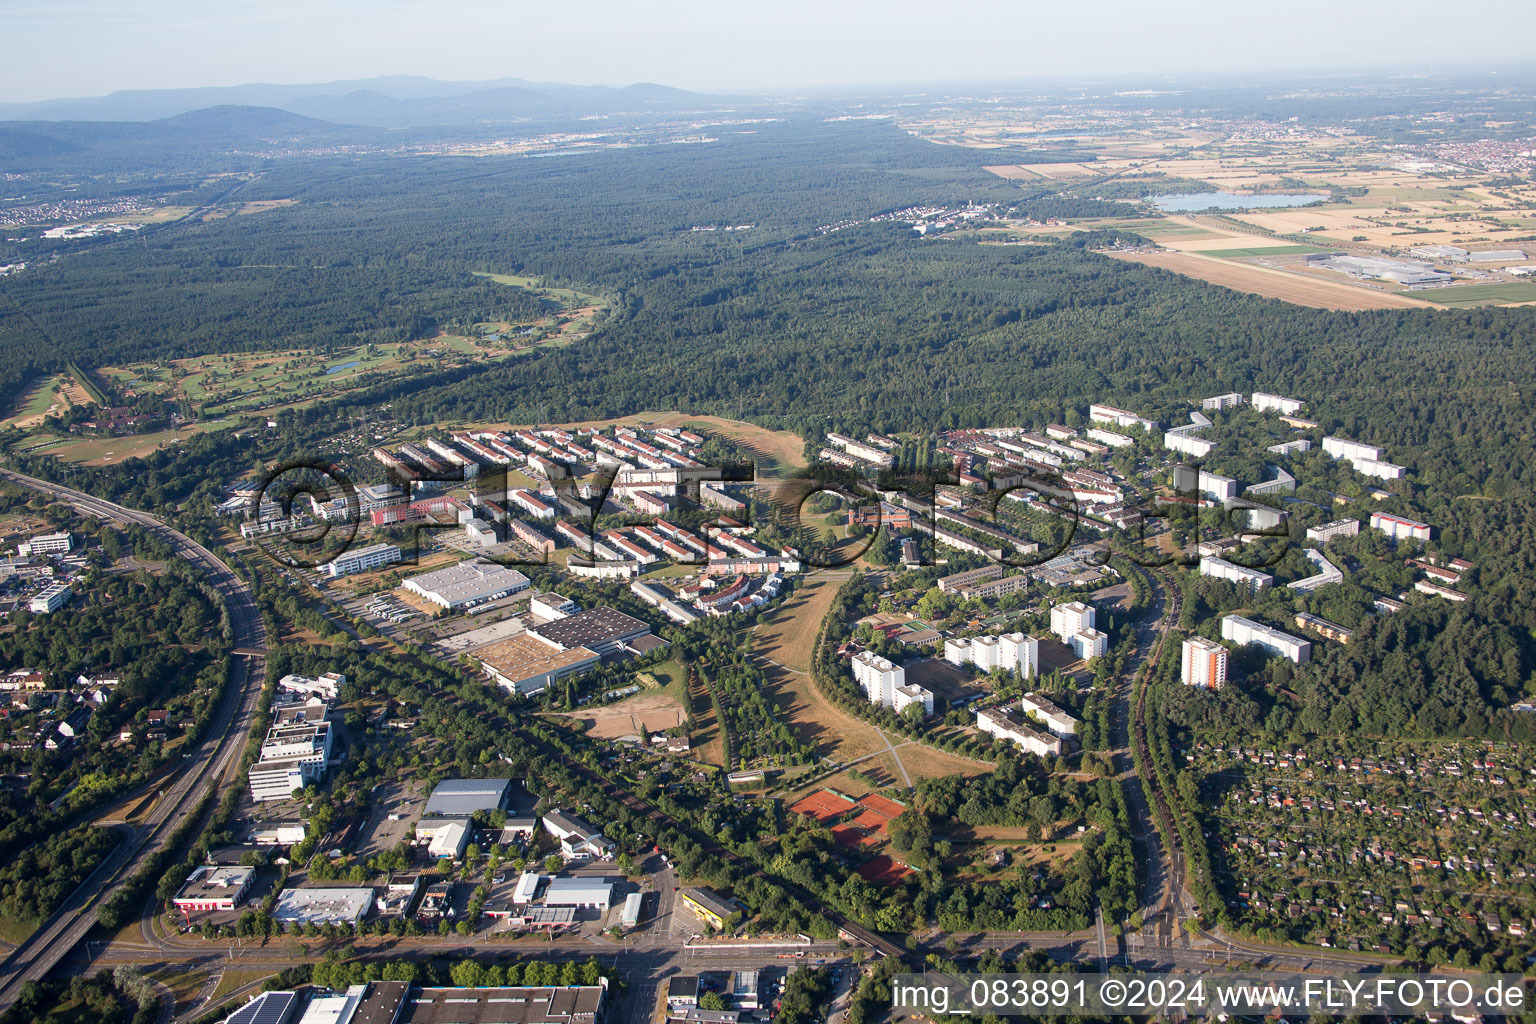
point(824, 805)
point(883, 870)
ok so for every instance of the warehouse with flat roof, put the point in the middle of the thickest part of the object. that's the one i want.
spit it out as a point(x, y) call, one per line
point(467, 584)
point(526, 665)
point(328, 905)
point(461, 798)
point(601, 630)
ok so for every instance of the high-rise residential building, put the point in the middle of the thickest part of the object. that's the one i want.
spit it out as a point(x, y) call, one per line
point(1204, 663)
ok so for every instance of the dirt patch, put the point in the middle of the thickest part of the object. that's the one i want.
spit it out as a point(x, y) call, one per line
point(1272, 284)
point(657, 712)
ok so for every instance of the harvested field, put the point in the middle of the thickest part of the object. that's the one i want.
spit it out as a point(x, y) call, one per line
point(657, 712)
point(1272, 284)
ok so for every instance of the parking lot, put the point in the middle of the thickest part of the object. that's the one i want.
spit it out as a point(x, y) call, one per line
point(395, 807)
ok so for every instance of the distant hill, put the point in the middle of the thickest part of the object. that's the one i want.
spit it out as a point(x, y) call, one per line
point(248, 122)
point(135, 145)
point(399, 101)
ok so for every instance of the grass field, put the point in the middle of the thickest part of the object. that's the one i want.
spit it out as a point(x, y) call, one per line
point(38, 402)
point(1260, 250)
point(1481, 294)
point(786, 640)
point(15, 930)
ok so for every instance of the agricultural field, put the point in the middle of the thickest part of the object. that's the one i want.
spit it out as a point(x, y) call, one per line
point(1379, 201)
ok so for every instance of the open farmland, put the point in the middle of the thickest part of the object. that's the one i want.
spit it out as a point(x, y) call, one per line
point(1273, 284)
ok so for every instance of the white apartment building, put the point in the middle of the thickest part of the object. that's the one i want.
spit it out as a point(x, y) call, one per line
point(1073, 624)
point(878, 677)
point(1228, 401)
point(1343, 448)
point(1204, 663)
point(1336, 528)
point(1399, 528)
point(362, 559)
point(1042, 707)
point(1222, 569)
point(907, 695)
point(1013, 651)
point(1379, 469)
point(1239, 630)
point(1110, 438)
point(1222, 488)
point(1007, 724)
point(1183, 440)
point(1275, 403)
point(1089, 644)
point(1072, 618)
point(1099, 413)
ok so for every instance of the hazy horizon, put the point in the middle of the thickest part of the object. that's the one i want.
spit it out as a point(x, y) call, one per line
point(83, 48)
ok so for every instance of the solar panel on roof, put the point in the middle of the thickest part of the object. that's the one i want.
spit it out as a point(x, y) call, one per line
point(267, 1008)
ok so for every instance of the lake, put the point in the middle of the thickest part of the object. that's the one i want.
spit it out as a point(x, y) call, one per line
point(342, 366)
point(1194, 202)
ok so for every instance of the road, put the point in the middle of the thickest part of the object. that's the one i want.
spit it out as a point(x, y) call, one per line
point(215, 760)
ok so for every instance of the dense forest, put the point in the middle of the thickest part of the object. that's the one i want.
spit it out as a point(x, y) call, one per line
point(816, 318)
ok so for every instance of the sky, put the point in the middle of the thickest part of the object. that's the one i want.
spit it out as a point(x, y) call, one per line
point(59, 48)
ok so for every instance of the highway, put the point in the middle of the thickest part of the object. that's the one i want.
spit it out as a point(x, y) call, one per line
point(206, 769)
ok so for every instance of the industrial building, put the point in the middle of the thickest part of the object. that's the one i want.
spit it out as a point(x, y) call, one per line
point(1378, 268)
point(346, 905)
point(711, 908)
point(214, 887)
point(1203, 663)
point(1240, 631)
point(525, 664)
point(580, 893)
point(293, 754)
point(463, 798)
point(50, 599)
point(601, 630)
point(578, 840)
point(467, 584)
point(45, 544)
point(358, 560)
